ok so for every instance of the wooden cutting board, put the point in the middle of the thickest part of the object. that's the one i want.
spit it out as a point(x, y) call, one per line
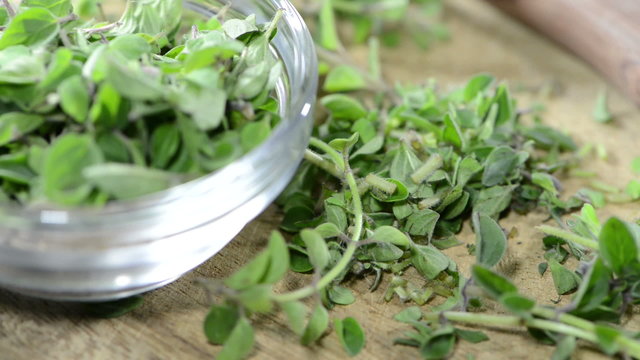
point(169, 324)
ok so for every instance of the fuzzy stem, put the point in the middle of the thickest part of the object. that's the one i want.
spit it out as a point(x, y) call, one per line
point(322, 163)
point(380, 183)
point(347, 256)
point(506, 320)
point(333, 153)
point(569, 236)
point(427, 169)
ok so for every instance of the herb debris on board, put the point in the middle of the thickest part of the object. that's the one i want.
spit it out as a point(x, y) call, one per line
point(93, 111)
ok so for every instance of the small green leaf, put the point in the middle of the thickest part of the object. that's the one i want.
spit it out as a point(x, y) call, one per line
point(409, 315)
point(31, 27)
point(328, 29)
point(477, 85)
point(618, 246)
point(565, 348)
point(316, 326)
point(422, 223)
point(14, 125)
point(494, 284)
point(564, 280)
point(74, 98)
point(471, 336)
point(491, 242)
point(328, 230)
point(296, 313)
point(250, 274)
point(220, 322)
point(344, 78)
point(429, 261)
point(341, 295)
point(517, 304)
point(350, 334)
point(57, 7)
point(391, 235)
point(500, 164)
point(316, 248)
point(123, 181)
point(601, 112)
point(64, 164)
point(607, 337)
point(239, 344)
point(279, 259)
point(343, 107)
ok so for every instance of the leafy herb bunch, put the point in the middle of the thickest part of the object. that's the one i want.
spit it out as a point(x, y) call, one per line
point(608, 279)
point(385, 189)
point(98, 111)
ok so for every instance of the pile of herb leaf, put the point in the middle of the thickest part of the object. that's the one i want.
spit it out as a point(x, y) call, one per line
point(93, 111)
point(389, 179)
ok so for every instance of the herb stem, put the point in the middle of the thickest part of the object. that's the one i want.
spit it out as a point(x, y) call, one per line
point(322, 163)
point(569, 236)
point(347, 256)
point(274, 22)
point(333, 153)
point(502, 320)
point(433, 163)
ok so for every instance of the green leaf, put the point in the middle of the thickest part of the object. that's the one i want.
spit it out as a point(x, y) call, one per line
point(328, 230)
point(128, 78)
point(409, 315)
point(517, 304)
point(279, 259)
point(371, 147)
point(250, 274)
point(235, 28)
point(344, 78)
point(130, 46)
point(607, 337)
point(491, 242)
point(14, 125)
point(254, 134)
point(438, 347)
point(466, 170)
point(391, 235)
point(422, 223)
point(633, 189)
point(316, 326)
point(429, 261)
point(565, 348)
point(220, 322)
point(350, 334)
point(316, 248)
point(343, 107)
point(124, 181)
point(31, 27)
point(239, 344)
point(471, 336)
point(19, 65)
point(494, 284)
point(564, 280)
point(601, 112)
point(257, 299)
point(545, 181)
point(58, 8)
point(500, 164)
point(165, 143)
point(328, 28)
point(74, 98)
point(635, 165)
point(341, 295)
point(477, 85)
point(618, 246)
point(296, 313)
point(492, 201)
point(62, 173)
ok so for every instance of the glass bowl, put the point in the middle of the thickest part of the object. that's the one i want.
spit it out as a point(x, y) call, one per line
point(128, 248)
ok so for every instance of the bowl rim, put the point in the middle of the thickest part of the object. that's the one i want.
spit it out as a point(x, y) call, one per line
point(299, 106)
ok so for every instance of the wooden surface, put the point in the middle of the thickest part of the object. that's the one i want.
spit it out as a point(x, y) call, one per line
point(605, 33)
point(168, 325)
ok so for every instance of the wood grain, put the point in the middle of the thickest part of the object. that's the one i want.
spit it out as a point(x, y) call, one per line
point(169, 324)
point(605, 33)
